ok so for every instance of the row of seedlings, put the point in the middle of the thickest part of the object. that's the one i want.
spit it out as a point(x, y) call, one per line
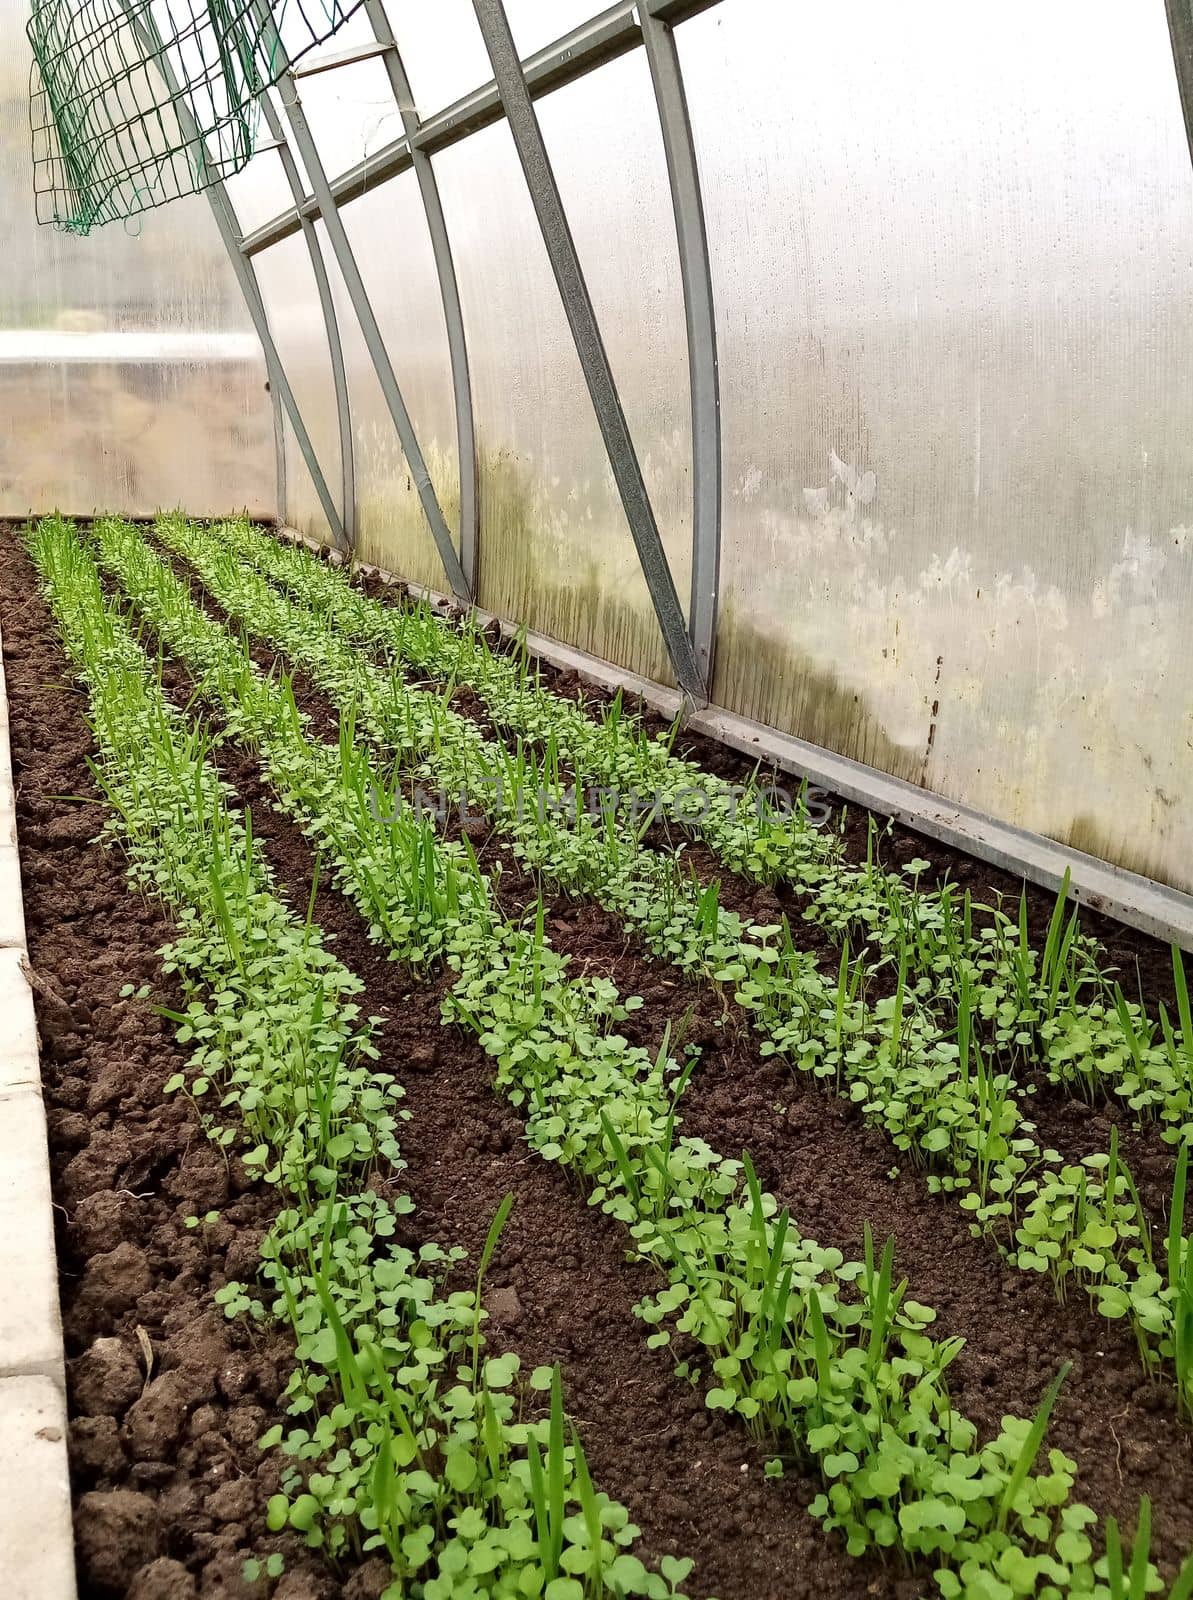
point(942, 1100)
point(403, 1435)
point(1058, 1004)
point(830, 1359)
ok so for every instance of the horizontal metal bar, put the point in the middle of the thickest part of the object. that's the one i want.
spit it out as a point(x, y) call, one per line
point(611, 34)
point(1153, 908)
point(311, 66)
point(676, 10)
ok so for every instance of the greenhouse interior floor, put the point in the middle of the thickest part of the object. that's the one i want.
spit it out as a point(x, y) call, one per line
point(157, 1212)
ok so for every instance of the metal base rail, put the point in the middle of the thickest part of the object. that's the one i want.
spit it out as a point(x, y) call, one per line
point(1153, 908)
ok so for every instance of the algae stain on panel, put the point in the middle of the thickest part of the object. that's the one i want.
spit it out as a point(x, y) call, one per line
point(1140, 850)
point(391, 527)
point(561, 571)
point(774, 682)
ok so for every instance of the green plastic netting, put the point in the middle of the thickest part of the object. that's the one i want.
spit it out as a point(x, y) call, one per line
point(136, 102)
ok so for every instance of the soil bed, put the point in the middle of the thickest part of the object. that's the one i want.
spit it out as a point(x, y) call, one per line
point(170, 1485)
point(559, 1288)
point(815, 1153)
point(1144, 964)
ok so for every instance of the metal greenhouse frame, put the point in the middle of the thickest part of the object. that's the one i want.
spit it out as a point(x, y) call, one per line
point(517, 83)
point(596, 800)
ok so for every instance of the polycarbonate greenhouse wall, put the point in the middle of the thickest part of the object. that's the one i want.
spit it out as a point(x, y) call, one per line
point(943, 439)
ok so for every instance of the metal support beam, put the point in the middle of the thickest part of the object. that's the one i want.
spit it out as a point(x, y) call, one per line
point(577, 53)
point(225, 218)
point(311, 66)
point(449, 291)
point(1180, 31)
point(279, 453)
point(335, 348)
point(598, 374)
point(354, 283)
point(700, 316)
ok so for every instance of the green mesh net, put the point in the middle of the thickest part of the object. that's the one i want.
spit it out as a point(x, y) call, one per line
point(136, 102)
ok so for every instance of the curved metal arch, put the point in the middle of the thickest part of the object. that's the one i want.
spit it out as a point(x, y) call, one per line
point(509, 76)
point(225, 218)
point(1180, 31)
point(449, 289)
point(309, 151)
point(335, 345)
point(700, 315)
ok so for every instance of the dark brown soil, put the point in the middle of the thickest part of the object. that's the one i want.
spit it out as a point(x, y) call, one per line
point(1064, 1123)
point(130, 1168)
point(1144, 964)
point(815, 1153)
point(561, 1290)
point(558, 1288)
point(166, 1399)
point(170, 1486)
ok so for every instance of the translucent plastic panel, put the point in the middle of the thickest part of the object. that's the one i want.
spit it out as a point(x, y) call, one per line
point(952, 262)
point(260, 192)
point(305, 26)
point(603, 138)
point(129, 375)
point(389, 237)
point(292, 305)
point(555, 550)
point(351, 108)
point(133, 437)
point(442, 50)
point(535, 23)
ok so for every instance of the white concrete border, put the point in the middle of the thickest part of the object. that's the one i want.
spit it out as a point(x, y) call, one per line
point(36, 1528)
point(1154, 908)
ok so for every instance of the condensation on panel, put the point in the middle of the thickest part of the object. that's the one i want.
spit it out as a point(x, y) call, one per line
point(442, 50)
point(952, 265)
point(388, 233)
point(537, 23)
point(603, 138)
point(260, 192)
point(130, 378)
point(292, 305)
point(555, 549)
point(351, 108)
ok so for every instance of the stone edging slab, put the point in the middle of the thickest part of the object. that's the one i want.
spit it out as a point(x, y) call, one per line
point(36, 1529)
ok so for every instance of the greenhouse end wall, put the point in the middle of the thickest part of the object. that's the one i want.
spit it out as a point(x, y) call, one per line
point(952, 295)
point(130, 375)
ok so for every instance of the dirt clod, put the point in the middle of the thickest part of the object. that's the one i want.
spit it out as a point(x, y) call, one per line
point(163, 1580)
point(96, 1452)
point(106, 1378)
point(154, 1424)
point(116, 1532)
